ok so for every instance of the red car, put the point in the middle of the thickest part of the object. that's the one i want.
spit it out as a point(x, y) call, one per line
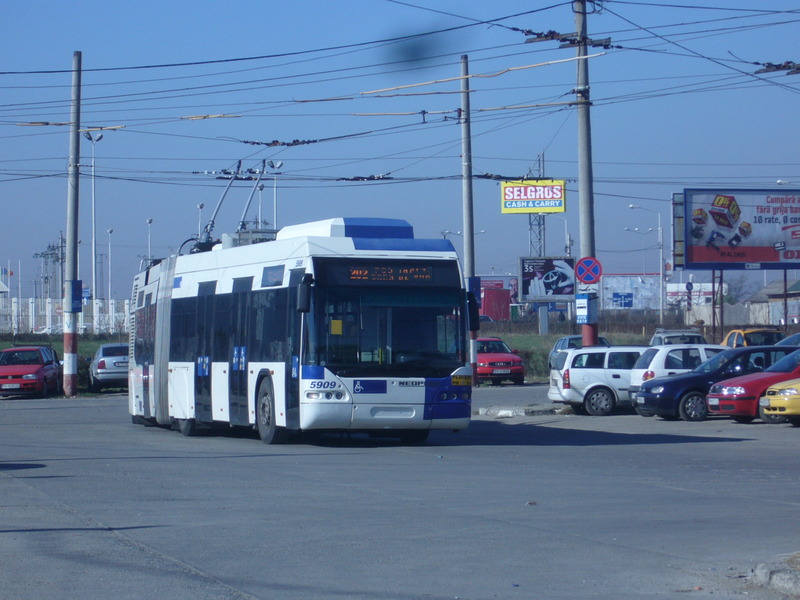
point(29, 371)
point(497, 362)
point(738, 397)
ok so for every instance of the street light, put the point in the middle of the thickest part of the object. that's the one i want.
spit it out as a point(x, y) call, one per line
point(110, 231)
point(567, 237)
point(275, 166)
point(447, 232)
point(660, 260)
point(644, 255)
point(149, 254)
point(95, 316)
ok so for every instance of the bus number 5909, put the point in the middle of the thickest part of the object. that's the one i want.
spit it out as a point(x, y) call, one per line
point(323, 385)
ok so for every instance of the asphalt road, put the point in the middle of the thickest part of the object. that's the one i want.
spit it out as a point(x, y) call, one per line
point(553, 507)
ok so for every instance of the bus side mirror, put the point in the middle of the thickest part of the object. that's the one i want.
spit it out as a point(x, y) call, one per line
point(472, 309)
point(304, 293)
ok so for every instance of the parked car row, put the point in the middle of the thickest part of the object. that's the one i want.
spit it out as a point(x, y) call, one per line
point(684, 395)
point(689, 381)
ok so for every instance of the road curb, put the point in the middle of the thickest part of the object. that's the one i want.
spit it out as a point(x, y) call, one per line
point(516, 411)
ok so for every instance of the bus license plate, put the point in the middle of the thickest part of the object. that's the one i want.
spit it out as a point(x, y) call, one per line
point(10, 386)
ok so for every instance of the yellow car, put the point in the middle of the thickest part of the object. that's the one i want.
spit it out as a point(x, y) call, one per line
point(754, 336)
point(783, 400)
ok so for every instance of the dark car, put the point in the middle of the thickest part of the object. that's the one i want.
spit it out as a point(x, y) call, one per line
point(497, 362)
point(109, 367)
point(29, 371)
point(684, 395)
point(570, 341)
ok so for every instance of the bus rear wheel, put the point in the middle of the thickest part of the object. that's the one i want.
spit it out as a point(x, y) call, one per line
point(268, 431)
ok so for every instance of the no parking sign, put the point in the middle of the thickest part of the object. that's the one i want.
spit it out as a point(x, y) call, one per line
point(588, 270)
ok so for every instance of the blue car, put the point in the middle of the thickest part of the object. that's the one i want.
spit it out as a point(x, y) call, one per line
point(684, 395)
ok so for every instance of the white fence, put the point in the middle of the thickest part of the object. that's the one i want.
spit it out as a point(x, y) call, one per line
point(46, 316)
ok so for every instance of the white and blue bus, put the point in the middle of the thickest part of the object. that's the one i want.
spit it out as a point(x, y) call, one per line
point(344, 324)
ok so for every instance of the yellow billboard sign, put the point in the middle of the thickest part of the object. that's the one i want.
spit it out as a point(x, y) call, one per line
point(534, 196)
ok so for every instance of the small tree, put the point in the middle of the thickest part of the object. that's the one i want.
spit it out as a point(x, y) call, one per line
point(740, 287)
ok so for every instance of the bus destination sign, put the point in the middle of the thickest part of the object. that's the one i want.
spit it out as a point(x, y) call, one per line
point(391, 273)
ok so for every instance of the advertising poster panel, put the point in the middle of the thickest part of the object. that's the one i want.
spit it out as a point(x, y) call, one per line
point(502, 282)
point(547, 279)
point(533, 196)
point(742, 229)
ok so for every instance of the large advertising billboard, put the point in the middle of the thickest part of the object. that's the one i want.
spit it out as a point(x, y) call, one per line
point(742, 229)
point(547, 279)
point(534, 196)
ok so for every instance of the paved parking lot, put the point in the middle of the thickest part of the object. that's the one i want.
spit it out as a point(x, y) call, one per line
point(550, 506)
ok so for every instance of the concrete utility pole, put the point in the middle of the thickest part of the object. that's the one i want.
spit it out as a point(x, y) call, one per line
point(466, 171)
point(585, 175)
point(72, 286)
point(466, 187)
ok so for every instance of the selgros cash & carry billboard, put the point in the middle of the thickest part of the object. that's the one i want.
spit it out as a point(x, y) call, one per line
point(533, 196)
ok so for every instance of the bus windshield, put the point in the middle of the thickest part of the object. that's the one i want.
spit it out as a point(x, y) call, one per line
point(386, 332)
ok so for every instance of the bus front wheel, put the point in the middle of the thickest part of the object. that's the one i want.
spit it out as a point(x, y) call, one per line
point(268, 431)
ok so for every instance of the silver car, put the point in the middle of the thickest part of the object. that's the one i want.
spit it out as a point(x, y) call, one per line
point(109, 367)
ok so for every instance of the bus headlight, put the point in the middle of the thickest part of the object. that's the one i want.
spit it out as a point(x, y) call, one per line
point(315, 395)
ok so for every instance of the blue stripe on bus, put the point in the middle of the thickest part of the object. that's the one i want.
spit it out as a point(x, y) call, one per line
point(369, 386)
point(433, 245)
point(176, 282)
point(448, 408)
point(377, 228)
point(313, 372)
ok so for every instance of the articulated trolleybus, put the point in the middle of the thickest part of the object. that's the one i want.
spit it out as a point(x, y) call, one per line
point(343, 324)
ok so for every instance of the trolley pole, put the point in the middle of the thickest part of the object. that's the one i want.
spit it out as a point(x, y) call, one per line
point(71, 285)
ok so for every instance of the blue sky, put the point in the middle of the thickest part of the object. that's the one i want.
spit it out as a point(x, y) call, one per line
point(676, 105)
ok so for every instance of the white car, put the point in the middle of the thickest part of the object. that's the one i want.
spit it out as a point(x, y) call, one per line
point(594, 380)
point(669, 359)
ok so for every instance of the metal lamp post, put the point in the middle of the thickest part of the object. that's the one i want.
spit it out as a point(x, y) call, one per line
point(275, 166)
point(149, 254)
point(95, 315)
point(660, 260)
point(260, 220)
point(567, 237)
point(110, 231)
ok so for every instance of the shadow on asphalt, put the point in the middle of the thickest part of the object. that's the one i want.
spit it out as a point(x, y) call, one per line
point(479, 433)
point(493, 433)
